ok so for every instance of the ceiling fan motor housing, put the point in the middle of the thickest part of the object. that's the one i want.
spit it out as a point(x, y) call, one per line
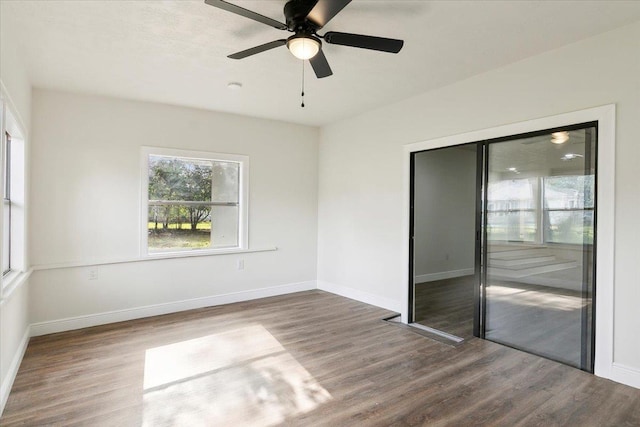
point(295, 12)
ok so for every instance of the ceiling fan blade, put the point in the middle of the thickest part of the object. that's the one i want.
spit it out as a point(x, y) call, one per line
point(246, 13)
point(258, 49)
point(320, 65)
point(325, 10)
point(364, 42)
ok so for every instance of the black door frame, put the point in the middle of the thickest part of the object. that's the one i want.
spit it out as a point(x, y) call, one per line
point(588, 316)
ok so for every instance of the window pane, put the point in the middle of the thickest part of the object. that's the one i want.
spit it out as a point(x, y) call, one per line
point(570, 227)
point(565, 198)
point(519, 226)
point(226, 181)
point(6, 167)
point(513, 194)
point(224, 225)
point(179, 179)
point(569, 192)
point(179, 227)
point(511, 210)
point(6, 236)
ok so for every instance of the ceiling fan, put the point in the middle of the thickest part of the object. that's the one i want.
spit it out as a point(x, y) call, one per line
point(304, 18)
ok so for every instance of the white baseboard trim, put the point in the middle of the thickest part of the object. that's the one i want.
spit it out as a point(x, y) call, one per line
point(79, 322)
point(361, 296)
point(625, 375)
point(8, 380)
point(443, 275)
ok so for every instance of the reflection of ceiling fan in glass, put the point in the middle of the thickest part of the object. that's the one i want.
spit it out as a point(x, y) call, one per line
point(559, 137)
point(304, 18)
point(570, 156)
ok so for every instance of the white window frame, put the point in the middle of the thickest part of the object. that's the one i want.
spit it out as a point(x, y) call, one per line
point(6, 199)
point(11, 124)
point(243, 200)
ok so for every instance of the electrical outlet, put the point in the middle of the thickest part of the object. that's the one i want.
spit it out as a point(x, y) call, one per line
point(240, 264)
point(93, 273)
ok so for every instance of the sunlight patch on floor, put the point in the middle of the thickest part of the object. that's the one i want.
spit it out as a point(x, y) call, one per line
point(238, 377)
point(532, 298)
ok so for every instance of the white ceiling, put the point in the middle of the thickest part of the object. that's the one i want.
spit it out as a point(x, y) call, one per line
point(175, 51)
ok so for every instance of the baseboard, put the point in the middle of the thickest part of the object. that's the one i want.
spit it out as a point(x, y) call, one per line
point(7, 382)
point(80, 322)
point(361, 296)
point(625, 375)
point(443, 275)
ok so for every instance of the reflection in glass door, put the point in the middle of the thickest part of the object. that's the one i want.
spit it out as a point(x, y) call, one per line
point(539, 228)
point(445, 249)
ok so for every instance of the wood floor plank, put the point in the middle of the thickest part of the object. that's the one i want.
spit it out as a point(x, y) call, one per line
point(304, 359)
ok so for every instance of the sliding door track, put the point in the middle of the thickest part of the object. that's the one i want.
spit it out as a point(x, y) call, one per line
point(426, 331)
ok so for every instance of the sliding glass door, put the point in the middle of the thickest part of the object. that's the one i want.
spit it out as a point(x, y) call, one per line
point(539, 229)
point(502, 242)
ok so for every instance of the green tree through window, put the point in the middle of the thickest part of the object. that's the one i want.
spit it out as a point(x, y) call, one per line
point(187, 198)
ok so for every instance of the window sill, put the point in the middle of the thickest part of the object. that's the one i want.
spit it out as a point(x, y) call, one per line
point(12, 281)
point(153, 257)
point(202, 252)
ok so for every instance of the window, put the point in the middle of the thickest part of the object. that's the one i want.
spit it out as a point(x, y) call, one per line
point(12, 179)
point(568, 209)
point(511, 210)
point(513, 206)
point(194, 201)
point(6, 205)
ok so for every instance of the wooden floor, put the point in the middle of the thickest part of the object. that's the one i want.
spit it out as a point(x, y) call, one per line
point(305, 359)
point(540, 319)
point(446, 305)
point(543, 320)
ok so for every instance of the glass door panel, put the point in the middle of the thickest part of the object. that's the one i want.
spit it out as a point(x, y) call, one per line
point(538, 254)
point(444, 276)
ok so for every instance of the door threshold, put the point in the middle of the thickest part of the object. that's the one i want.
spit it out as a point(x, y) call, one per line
point(453, 338)
point(426, 331)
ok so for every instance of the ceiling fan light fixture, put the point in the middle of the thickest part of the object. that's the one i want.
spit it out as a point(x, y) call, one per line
point(303, 46)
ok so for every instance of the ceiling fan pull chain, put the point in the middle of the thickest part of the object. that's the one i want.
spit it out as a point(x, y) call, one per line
point(302, 105)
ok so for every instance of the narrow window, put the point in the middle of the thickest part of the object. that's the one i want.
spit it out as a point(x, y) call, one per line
point(6, 206)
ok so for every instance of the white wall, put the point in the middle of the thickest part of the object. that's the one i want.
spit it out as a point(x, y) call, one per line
point(13, 73)
point(14, 336)
point(85, 173)
point(444, 213)
point(15, 94)
point(360, 184)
